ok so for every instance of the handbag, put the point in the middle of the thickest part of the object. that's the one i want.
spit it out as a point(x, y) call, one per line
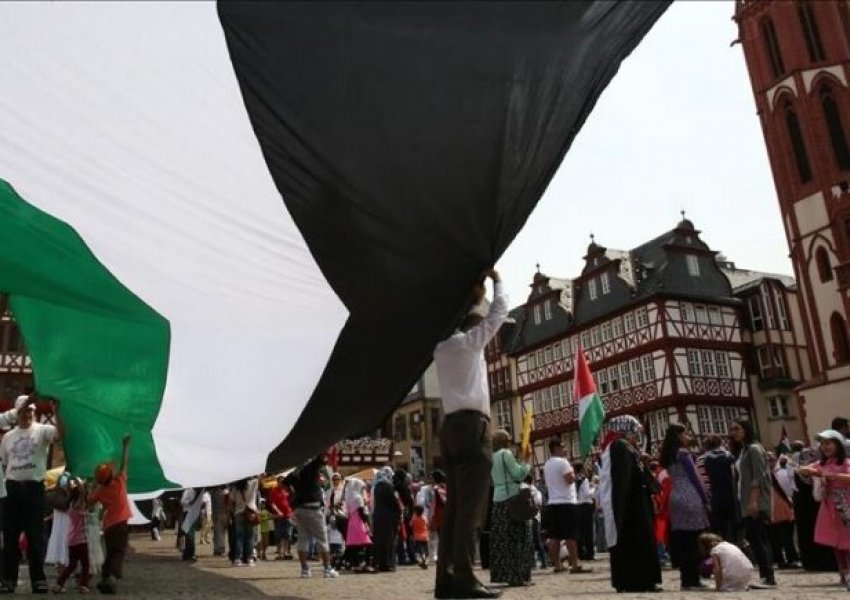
point(251, 515)
point(521, 507)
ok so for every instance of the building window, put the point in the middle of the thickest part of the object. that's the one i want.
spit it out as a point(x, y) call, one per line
point(766, 303)
point(568, 352)
point(606, 331)
point(704, 418)
point(596, 336)
point(648, 368)
point(844, 15)
point(810, 32)
point(778, 406)
point(634, 367)
point(613, 379)
point(771, 43)
point(540, 361)
point(838, 328)
point(585, 339)
point(400, 428)
point(714, 317)
point(756, 319)
point(693, 265)
point(687, 312)
point(537, 314)
point(694, 363)
point(547, 310)
point(804, 169)
point(778, 362)
point(558, 351)
point(641, 316)
point(532, 364)
point(701, 313)
point(602, 381)
point(765, 363)
point(547, 355)
point(546, 399)
point(836, 130)
point(606, 285)
point(823, 264)
point(781, 310)
point(708, 363)
point(629, 322)
point(718, 420)
point(722, 361)
point(617, 326)
point(591, 289)
point(625, 376)
point(502, 411)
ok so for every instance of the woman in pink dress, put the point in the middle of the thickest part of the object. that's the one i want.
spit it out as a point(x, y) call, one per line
point(833, 524)
point(358, 541)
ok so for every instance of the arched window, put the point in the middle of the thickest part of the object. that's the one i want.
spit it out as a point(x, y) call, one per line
point(804, 169)
point(810, 31)
point(772, 44)
point(824, 266)
point(838, 329)
point(836, 130)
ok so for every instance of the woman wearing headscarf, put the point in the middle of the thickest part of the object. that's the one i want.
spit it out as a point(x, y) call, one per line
point(404, 542)
point(511, 554)
point(688, 505)
point(386, 516)
point(626, 488)
point(358, 541)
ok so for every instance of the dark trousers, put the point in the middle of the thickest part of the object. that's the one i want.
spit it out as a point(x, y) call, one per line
point(78, 554)
point(586, 549)
point(24, 513)
point(115, 540)
point(684, 545)
point(467, 452)
point(189, 543)
point(539, 546)
point(756, 533)
point(723, 520)
point(782, 543)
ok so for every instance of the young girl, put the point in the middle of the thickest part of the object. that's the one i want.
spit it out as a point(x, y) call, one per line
point(732, 569)
point(265, 529)
point(420, 535)
point(78, 548)
point(833, 524)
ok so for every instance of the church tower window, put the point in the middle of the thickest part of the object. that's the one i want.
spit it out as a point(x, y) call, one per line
point(840, 342)
point(804, 169)
point(823, 264)
point(836, 130)
point(772, 45)
point(810, 31)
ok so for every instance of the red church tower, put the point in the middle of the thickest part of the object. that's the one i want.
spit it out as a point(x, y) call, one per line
point(798, 57)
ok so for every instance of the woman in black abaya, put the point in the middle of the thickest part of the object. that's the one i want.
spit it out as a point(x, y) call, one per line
point(626, 488)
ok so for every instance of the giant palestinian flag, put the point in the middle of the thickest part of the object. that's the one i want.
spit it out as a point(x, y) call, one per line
point(237, 231)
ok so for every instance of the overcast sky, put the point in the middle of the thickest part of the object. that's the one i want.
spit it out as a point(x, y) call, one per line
point(676, 129)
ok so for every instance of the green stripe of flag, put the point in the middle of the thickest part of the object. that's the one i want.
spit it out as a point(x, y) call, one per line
point(77, 318)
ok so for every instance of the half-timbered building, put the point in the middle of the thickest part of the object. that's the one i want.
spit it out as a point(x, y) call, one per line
point(15, 365)
point(661, 326)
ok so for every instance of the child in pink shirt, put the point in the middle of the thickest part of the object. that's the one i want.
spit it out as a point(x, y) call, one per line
point(78, 547)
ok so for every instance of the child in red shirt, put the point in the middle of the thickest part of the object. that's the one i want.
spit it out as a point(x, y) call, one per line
point(111, 492)
point(420, 535)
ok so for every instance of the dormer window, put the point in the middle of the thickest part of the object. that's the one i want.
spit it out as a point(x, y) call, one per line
point(547, 310)
point(591, 289)
point(606, 284)
point(537, 315)
point(693, 265)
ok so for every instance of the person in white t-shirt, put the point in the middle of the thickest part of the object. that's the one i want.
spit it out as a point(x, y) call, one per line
point(561, 520)
point(23, 453)
point(732, 569)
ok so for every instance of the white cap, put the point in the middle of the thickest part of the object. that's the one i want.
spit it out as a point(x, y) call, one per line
point(21, 400)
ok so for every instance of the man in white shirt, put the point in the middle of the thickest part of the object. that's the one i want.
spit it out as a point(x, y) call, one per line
point(465, 442)
point(561, 520)
point(23, 452)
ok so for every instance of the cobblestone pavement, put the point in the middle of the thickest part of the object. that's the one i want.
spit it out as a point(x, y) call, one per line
point(155, 569)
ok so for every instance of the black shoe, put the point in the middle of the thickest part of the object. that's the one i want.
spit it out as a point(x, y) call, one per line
point(476, 591)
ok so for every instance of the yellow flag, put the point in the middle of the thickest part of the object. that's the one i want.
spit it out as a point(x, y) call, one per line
point(525, 439)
